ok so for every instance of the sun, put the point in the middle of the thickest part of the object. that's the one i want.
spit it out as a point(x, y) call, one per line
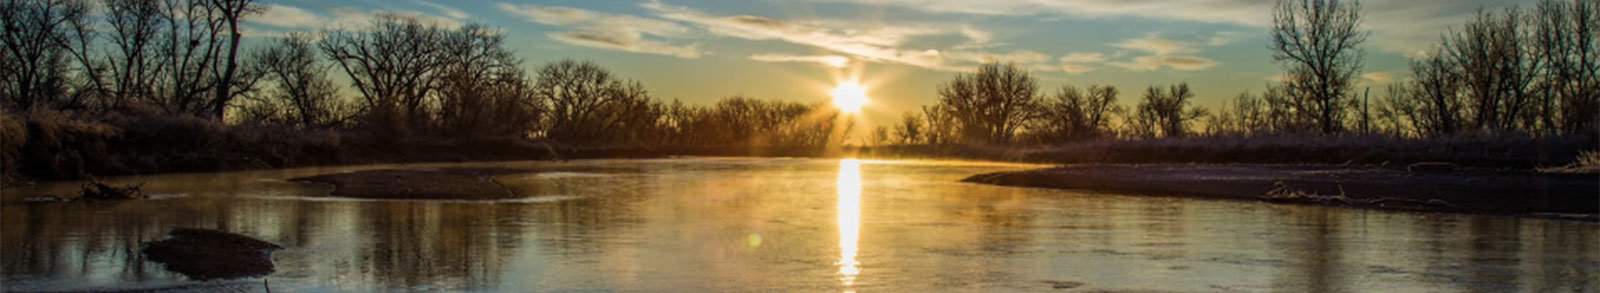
point(849, 96)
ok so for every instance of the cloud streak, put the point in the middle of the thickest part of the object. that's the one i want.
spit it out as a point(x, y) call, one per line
point(447, 11)
point(606, 31)
point(1156, 62)
point(1154, 44)
point(1242, 12)
point(1397, 26)
point(277, 19)
point(879, 43)
point(834, 61)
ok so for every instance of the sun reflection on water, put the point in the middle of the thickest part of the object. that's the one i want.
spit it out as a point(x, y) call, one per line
point(849, 219)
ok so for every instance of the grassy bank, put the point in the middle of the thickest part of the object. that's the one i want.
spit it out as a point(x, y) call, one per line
point(46, 145)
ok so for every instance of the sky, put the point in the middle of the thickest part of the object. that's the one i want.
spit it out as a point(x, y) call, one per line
point(797, 50)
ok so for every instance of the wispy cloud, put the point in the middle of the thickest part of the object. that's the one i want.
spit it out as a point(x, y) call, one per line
point(1407, 27)
point(976, 38)
point(1155, 62)
point(1154, 44)
point(624, 42)
point(285, 16)
point(1084, 58)
point(1076, 69)
point(1079, 63)
point(605, 30)
point(1396, 26)
point(1243, 12)
point(277, 19)
point(835, 61)
point(1163, 53)
point(1224, 38)
point(1017, 56)
point(447, 11)
point(869, 42)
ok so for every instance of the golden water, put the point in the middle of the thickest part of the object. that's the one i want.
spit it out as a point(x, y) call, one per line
point(715, 224)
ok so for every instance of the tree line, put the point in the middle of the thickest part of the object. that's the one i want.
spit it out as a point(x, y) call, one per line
point(1534, 71)
point(408, 79)
point(179, 56)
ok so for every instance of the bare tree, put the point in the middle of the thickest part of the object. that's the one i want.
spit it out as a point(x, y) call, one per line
point(1076, 114)
point(1165, 113)
point(940, 123)
point(1397, 113)
point(1318, 42)
point(1494, 71)
point(910, 130)
point(298, 83)
point(991, 105)
point(581, 98)
point(134, 26)
point(1434, 95)
point(1564, 38)
point(483, 90)
point(1246, 114)
point(629, 116)
point(228, 13)
point(37, 48)
point(393, 67)
point(188, 50)
point(880, 137)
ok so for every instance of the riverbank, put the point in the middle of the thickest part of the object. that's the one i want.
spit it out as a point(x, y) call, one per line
point(1477, 191)
point(47, 147)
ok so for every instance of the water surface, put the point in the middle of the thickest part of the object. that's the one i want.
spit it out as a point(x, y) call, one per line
point(715, 224)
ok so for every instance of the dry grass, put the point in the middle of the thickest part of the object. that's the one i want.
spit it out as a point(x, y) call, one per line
point(1587, 162)
point(1493, 151)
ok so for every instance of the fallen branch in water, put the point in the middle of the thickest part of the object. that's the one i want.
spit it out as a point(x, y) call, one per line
point(1284, 193)
point(96, 190)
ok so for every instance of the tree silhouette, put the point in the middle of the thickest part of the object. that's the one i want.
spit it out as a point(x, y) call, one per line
point(585, 101)
point(1075, 114)
point(1566, 38)
point(36, 46)
point(1495, 72)
point(1318, 42)
point(298, 89)
point(1534, 72)
point(483, 91)
point(228, 13)
point(393, 66)
point(911, 129)
point(1165, 113)
point(990, 105)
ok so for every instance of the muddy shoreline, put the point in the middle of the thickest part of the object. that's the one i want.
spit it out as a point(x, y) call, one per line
point(1474, 191)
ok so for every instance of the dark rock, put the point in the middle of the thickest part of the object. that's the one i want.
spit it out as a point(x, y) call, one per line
point(45, 199)
point(1063, 284)
point(204, 254)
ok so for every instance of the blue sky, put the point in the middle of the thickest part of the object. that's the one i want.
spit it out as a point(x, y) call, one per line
point(701, 51)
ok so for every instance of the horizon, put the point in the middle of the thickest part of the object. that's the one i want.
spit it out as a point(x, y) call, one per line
point(901, 50)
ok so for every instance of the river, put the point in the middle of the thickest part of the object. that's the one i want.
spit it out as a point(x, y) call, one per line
point(778, 224)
